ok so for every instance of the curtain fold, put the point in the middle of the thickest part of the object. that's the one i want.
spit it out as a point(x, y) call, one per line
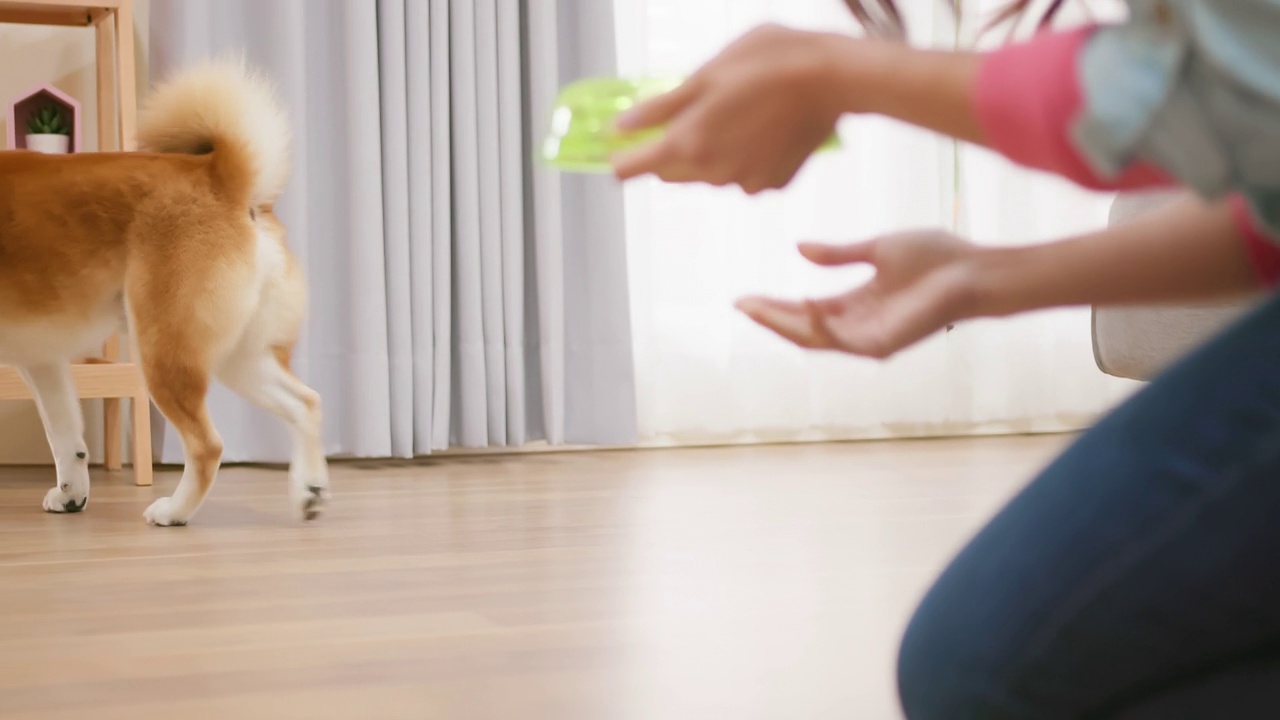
point(438, 254)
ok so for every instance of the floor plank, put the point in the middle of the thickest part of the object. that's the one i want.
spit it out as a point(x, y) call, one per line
point(737, 583)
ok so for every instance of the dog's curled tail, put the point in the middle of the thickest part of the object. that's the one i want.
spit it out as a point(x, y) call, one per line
point(222, 107)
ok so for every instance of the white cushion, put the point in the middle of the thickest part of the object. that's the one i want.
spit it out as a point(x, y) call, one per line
point(1138, 342)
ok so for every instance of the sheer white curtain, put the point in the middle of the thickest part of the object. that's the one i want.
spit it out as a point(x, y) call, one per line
point(705, 374)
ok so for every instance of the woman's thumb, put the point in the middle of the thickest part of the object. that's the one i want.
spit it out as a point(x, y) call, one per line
point(832, 255)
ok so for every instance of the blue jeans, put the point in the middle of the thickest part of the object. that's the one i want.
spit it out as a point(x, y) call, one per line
point(1139, 575)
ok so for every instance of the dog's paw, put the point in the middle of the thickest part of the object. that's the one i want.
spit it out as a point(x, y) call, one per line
point(161, 514)
point(57, 501)
point(309, 500)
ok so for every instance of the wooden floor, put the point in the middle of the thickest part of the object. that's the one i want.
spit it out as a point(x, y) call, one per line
point(702, 584)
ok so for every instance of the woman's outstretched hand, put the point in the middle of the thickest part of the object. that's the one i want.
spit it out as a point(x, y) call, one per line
point(923, 282)
point(750, 117)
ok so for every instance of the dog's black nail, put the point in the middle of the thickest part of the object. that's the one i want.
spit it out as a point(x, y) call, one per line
point(82, 455)
point(311, 508)
point(72, 506)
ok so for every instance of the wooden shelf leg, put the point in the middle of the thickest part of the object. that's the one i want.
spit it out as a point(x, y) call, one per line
point(126, 76)
point(127, 107)
point(140, 409)
point(112, 433)
point(103, 35)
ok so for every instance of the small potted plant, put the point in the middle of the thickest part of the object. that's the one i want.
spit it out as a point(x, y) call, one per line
point(48, 130)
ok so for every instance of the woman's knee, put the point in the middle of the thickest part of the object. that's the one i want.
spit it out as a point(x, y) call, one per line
point(915, 692)
point(938, 671)
point(958, 659)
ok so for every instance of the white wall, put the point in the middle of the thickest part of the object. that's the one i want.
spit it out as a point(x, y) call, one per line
point(63, 57)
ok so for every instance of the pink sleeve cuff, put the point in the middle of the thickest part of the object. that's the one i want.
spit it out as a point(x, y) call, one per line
point(1264, 250)
point(1028, 95)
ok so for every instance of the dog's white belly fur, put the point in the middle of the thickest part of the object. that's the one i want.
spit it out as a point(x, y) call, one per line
point(34, 342)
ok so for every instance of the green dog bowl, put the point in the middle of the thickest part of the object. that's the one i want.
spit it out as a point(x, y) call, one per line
point(582, 136)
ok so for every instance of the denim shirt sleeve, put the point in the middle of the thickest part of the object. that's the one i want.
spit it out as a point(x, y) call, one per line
point(1193, 87)
point(1186, 92)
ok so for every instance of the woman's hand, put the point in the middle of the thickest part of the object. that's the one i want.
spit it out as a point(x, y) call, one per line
point(924, 281)
point(750, 117)
point(1188, 251)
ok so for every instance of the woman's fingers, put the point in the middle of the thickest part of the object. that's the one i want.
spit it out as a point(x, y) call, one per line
point(666, 157)
point(658, 110)
point(679, 155)
point(653, 158)
point(806, 323)
point(819, 327)
point(827, 324)
point(789, 319)
point(834, 255)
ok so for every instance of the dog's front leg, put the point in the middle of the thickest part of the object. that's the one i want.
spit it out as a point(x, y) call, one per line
point(59, 406)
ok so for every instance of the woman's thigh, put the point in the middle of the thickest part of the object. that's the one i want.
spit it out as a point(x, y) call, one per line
point(1145, 559)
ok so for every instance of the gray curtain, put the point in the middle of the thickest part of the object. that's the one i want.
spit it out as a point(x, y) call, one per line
point(461, 294)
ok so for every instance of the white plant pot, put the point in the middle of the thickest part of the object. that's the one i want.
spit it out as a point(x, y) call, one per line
point(51, 144)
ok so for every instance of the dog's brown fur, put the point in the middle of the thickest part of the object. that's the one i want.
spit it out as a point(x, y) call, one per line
point(179, 244)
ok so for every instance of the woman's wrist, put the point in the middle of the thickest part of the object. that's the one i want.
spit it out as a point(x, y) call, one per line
point(852, 68)
point(1004, 281)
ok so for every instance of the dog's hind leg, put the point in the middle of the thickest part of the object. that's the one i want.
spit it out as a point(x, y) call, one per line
point(189, 294)
point(60, 412)
point(181, 326)
point(260, 374)
point(179, 387)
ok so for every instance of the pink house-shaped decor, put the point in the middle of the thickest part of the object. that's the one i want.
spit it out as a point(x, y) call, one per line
point(31, 101)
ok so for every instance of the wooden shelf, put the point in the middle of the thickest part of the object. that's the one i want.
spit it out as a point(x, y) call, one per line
point(56, 12)
point(105, 378)
point(93, 379)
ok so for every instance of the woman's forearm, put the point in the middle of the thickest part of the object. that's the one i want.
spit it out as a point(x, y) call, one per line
point(1186, 251)
point(926, 88)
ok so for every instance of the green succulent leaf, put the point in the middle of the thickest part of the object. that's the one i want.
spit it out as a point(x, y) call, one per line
point(48, 120)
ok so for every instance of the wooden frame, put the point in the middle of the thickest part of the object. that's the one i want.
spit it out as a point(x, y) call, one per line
point(107, 377)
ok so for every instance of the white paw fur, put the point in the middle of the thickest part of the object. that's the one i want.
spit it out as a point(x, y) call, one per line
point(57, 501)
point(309, 497)
point(161, 513)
